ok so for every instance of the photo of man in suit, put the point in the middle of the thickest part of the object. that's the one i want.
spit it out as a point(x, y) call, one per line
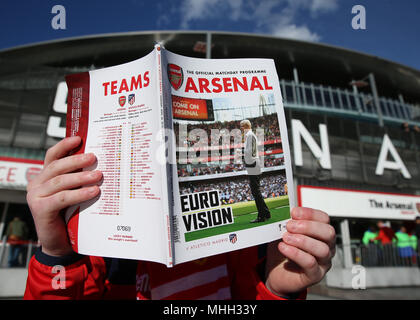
point(253, 167)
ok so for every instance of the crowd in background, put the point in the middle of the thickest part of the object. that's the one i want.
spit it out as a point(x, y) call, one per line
point(237, 189)
point(268, 123)
point(226, 168)
point(384, 246)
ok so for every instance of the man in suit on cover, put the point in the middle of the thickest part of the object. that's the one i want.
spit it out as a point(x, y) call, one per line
point(253, 167)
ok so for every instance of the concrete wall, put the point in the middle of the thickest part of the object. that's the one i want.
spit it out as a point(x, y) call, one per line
point(13, 282)
point(373, 277)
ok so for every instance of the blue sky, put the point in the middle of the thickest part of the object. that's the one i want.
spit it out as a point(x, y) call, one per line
point(393, 26)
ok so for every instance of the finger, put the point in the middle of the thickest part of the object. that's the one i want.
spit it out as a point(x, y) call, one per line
point(66, 165)
point(68, 181)
point(313, 229)
point(304, 260)
point(320, 250)
point(67, 198)
point(302, 213)
point(61, 149)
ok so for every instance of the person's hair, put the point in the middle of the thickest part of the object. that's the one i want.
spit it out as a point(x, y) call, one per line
point(246, 123)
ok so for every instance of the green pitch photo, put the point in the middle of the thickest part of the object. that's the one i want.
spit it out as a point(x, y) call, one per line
point(244, 213)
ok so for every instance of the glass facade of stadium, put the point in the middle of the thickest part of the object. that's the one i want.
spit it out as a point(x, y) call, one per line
point(314, 80)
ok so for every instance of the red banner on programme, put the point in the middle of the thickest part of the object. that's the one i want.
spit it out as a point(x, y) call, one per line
point(192, 109)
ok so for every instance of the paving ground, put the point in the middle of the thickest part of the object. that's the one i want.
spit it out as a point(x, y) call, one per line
point(322, 292)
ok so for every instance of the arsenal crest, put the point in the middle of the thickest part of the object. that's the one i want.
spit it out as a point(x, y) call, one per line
point(131, 99)
point(121, 100)
point(32, 173)
point(233, 238)
point(175, 75)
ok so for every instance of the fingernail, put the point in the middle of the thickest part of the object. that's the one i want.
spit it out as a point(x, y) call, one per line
point(282, 246)
point(92, 189)
point(291, 225)
point(88, 156)
point(95, 174)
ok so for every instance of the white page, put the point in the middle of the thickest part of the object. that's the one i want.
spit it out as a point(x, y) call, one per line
point(193, 243)
point(127, 219)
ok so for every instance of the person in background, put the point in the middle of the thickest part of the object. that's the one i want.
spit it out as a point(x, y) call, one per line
point(414, 242)
point(386, 236)
point(405, 127)
point(405, 249)
point(370, 234)
point(17, 231)
point(417, 234)
point(370, 251)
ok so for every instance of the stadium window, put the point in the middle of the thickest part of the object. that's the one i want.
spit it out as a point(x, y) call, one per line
point(417, 140)
point(319, 97)
point(28, 131)
point(7, 120)
point(404, 110)
point(289, 93)
point(300, 89)
point(336, 102)
point(308, 95)
point(349, 129)
point(413, 168)
point(368, 103)
point(407, 111)
point(37, 100)
point(344, 100)
point(302, 116)
point(372, 134)
point(352, 101)
point(354, 165)
point(313, 123)
point(399, 109)
point(399, 137)
point(392, 109)
point(328, 98)
point(339, 170)
point(334, 126)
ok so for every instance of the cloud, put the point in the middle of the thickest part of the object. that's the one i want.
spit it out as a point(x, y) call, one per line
point(276, 17)
point(195, 10)
point(323, 5)
point(295, 32)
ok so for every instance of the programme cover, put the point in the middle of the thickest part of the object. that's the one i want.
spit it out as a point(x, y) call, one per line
point(194, 152)
point(219, 164)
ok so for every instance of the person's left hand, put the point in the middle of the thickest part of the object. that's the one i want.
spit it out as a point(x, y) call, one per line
point(304, 256)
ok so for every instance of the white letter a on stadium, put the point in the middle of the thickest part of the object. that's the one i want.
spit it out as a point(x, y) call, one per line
point(383, 163)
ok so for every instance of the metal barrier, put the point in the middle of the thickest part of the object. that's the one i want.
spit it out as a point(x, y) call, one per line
point(25, 250)
point(377, 255)
point(328, 99)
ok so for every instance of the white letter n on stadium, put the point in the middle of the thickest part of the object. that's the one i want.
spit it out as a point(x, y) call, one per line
point(321, 153)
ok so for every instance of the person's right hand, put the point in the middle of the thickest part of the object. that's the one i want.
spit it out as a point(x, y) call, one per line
point(58, 187)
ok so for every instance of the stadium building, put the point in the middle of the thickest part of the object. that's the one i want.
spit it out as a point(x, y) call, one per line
point(353, 122)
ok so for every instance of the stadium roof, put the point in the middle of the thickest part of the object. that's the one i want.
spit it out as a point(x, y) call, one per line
point(316, 63)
